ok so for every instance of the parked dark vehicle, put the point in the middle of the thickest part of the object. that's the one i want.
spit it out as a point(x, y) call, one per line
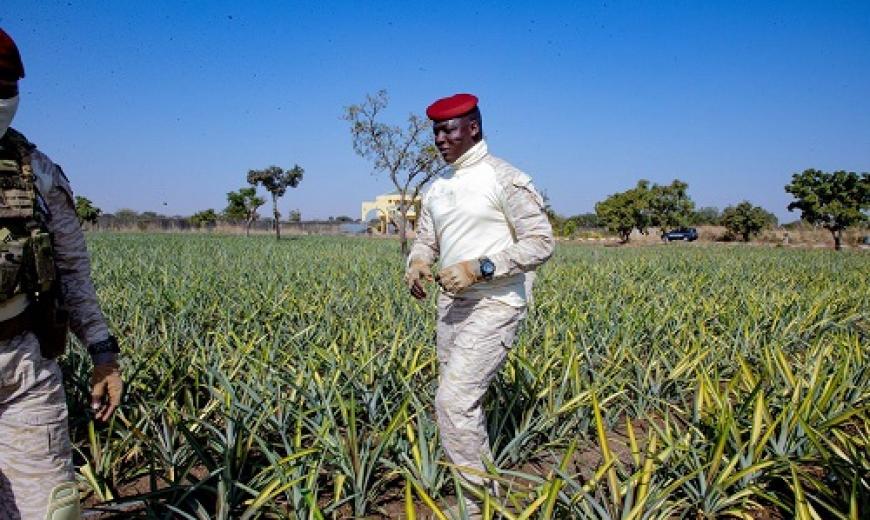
point(689, 234)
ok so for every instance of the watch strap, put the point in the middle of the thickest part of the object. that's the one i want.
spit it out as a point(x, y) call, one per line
point(107, 346)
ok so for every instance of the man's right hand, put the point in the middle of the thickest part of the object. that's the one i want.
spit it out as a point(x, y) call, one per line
point(414, 276)
point(106, 390)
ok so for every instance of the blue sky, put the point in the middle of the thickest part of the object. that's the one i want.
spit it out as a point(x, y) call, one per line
point(165, 105)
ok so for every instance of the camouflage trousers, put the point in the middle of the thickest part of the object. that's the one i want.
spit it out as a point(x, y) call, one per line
point(473, 341)
point(35, 451)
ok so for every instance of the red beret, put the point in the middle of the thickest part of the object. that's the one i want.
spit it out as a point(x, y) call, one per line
point(450, 107)
point(11, 68)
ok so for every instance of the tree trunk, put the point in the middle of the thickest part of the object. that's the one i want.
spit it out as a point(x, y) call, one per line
point(403, 226)
point(276, 215)
point(248, 226)
point(838, 239)
point(625, 236)
point(746, 236)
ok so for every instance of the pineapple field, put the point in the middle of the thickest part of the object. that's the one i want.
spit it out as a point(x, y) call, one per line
point(295, 379)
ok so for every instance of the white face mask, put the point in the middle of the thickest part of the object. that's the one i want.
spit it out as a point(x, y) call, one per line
point(8, 107)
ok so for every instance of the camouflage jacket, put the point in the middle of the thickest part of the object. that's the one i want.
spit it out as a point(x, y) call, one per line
point(71, 254)
point(485, 207)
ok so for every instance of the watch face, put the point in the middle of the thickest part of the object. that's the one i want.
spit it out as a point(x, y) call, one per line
point(487, 268)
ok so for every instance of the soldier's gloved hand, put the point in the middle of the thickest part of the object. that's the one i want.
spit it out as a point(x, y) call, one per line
point(106, 389)
point(458, 277)
point(414, 276)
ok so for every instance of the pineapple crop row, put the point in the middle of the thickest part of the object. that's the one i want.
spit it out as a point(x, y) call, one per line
point(295, 379)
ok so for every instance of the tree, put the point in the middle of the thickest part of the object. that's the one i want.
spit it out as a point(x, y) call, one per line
point(294, 216)
point(556, 220)
point(569, 227)
point(407, 156)
point(206, 218)
point(86, 211)
point(746, 220)
point(622, 212)
point(585, 220)
point(833, 201)
point(670, 206)
point(242, 205)
point(276, 180)
point(125, 217)
point(706, 216)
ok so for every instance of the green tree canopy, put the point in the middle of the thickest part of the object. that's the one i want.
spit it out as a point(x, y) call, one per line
point(746, 220)
point(86, 211)
point(834, 201)
point(585, 220)
point(276, 180)
point(568, 226)
point(242, 205)
point(127, 216)
point(556, 221)
point(622, 212)
point(706, 216)
point(670, 205)
point(204, 218)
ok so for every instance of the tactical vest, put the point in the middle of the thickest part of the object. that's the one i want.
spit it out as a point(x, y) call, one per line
point(26, 252)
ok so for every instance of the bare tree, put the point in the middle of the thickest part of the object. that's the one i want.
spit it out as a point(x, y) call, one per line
point(408, 156)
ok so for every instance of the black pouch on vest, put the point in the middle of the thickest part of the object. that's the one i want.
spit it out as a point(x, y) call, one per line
point(52, 326)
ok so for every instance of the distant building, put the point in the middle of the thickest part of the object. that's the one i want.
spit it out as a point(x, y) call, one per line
point(387, 208)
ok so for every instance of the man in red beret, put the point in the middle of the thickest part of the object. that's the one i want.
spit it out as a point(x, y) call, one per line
point(45, 287)
point(485, 223)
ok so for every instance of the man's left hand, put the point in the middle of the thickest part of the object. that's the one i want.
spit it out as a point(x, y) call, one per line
point(458, 277)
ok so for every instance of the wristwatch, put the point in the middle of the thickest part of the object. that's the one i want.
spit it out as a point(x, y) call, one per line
point(487, 268)
point(107, 346)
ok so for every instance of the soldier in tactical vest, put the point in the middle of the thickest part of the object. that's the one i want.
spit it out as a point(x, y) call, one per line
point(45, 288)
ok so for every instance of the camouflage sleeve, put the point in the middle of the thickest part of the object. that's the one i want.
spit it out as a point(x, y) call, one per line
point(71, 257)
point(425, 246)
point(534, 244)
